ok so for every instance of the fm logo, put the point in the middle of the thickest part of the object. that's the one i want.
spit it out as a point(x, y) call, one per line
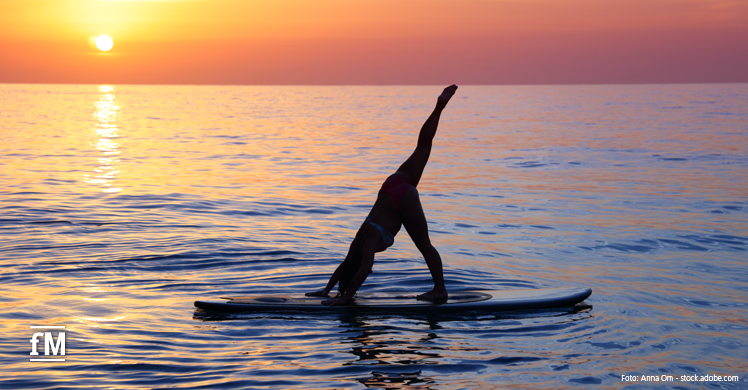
point(50, 345)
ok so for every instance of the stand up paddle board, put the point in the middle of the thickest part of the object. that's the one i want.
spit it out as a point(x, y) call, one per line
point(460, 301)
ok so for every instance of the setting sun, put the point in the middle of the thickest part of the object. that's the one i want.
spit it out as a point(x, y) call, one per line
point(104, 43)
point(298, 42)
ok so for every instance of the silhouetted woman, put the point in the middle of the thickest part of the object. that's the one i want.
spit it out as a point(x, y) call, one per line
point(397, 205)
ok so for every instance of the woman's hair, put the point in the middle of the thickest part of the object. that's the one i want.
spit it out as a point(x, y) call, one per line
point(352, 262)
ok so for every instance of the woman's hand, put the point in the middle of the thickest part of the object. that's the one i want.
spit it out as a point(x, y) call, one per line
point(335, 301)
point(320, 293)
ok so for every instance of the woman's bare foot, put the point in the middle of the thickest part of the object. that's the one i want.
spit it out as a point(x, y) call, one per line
point(447, 94)
point(433, 295)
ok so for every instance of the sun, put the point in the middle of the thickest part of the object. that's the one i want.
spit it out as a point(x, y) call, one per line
point(104, 43)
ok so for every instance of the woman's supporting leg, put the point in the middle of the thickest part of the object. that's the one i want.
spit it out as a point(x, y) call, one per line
point(414, 165)
point(415, 223)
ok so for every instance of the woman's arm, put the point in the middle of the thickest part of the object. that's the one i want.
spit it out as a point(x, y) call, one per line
point(335, 278)
point(333, 281)
point(367, 262)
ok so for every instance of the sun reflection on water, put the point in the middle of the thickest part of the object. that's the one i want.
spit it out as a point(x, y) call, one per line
point(99, 319)
point(104, 139)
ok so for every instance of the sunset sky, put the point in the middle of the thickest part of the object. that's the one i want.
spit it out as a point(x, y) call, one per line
point(358, 42)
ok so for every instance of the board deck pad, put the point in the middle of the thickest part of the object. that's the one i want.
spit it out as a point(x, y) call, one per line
point(459, 301)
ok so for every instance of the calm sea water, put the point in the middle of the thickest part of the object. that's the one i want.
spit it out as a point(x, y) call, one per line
point(121, 205)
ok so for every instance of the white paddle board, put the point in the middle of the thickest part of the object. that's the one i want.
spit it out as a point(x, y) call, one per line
point(459, 301)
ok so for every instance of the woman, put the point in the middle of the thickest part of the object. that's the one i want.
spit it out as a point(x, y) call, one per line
point(397, 205)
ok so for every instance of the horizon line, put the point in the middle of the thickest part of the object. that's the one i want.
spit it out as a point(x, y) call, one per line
point(385, 85)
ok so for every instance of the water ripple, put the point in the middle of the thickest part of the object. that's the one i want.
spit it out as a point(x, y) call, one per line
point(113, 231)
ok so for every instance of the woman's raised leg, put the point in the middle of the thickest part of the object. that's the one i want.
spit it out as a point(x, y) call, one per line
point(414, 165)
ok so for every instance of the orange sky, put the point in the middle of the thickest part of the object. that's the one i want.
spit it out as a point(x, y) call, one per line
point(374, 42)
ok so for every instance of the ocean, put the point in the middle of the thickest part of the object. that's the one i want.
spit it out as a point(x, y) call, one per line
point(120, 205)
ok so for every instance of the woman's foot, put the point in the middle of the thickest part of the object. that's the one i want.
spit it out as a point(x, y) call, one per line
point(433, 295)
point(447, 94)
